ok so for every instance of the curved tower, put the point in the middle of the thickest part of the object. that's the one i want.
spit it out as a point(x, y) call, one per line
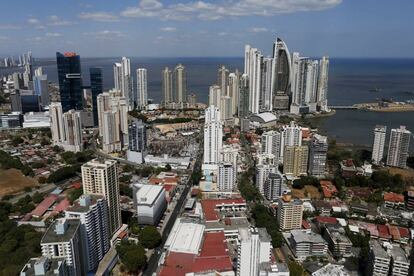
point(282, 78)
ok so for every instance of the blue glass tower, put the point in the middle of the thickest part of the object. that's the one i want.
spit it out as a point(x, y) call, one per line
point(96, 89)
point(70, 80)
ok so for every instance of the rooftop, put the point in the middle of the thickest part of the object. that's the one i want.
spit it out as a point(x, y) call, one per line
point(79, 207)
point(302, 236)
point(393, 197)
point(378, 250)
point(185, 237)
point(398, 255)
point(42, 266)
point(331, 270)
point(51, 236)
point(44, 205)
point(148, 194)
point(210, 205)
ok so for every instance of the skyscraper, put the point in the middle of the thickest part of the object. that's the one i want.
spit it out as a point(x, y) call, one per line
point(254, 248)
point(266, 78)
point(398, 147)
point(167, 85)
point(291, 136)
point(283, 70)
point(318, 150)
point(226, 108)
point(262, 175)
point(95, 74)
point(73, 131)
point(226, 179)
point(223, 79)
point(322, 97)
point(41, 88)
point(252, 67)
point(117, 76)
point(123, 80)
point(243, 108)
point(274, 187)
point(213, 133)
point(233, 91)
point(379, 143)
point(56, 123)
point(214, 95)
point(113, 121)
point(92, 211)
point(180, 84)
point(70, 80)
point(100, 177)
point(137, 144)
point(142, 97)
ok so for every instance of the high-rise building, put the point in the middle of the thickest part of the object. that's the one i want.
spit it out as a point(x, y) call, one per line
point(233, 90)
point(226, 108)
point(283, 67)
point(41, 89)
point(56, 123)
point(295, 160)
point(378, 261)
point(92, 211)
point(127, 82)
point(318, 150)
point(275, 186)
point(270, 141)
point(379, 143)
point(254, 248)
point(180, 84)
point(214, 96)
point(226, 179)
point(262, 175)
point(213, 133)
point(322, 97)
point(113, 121)
point(266, 93)
point(223, 80)
point(137, 142)
point(100, 177)
point(70, 80)
point(398, 147)
point(289, 213)
point(192, 100)
point(95, 74)
point(142, 96)
point(117, 67)
point(252, 67)
point(291, 136)
point(243, 108)
point(167, 85)
point(62, 239)
point(72, 127)
point(44, 266)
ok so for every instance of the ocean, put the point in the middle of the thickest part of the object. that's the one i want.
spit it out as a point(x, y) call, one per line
point(350, 82)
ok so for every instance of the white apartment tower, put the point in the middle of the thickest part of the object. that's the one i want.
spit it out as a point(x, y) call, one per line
point(398, 147)
point(213, 135)
point(62, 240)
point(254, 248)
point(167, 85)
point(274, 186)
point(123, 80)
point(100, 177)
point(252, 67)
point(379, 143)
point(214, 95)
point(142, 94)
point(180, 84)
point(291, 136)
point(73, 131)
point(233, 91)
point(270, 141)
point(223, 79)
point(92, 211)
point(262, 175)
point(266, 84)
point(323, 84)
point(56, 123)
point(226, 179)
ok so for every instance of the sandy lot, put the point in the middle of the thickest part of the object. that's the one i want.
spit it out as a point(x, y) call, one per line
point(307, 192)
point(13, 181)
point(408, 174)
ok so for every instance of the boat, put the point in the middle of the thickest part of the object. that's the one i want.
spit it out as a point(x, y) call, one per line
point(376, 89)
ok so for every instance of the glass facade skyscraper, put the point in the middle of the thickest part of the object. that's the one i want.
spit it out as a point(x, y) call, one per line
point(96, 89)
point(70, 80)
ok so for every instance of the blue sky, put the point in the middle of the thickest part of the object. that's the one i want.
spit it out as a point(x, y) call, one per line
point(339, 28)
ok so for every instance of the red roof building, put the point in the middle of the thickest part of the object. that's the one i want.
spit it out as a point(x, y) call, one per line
point(212, 206)
point(62, 206)
point(383, 232)
point(328, 189)
point(43, 206)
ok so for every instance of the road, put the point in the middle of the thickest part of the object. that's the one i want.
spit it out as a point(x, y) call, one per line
point(155, 258)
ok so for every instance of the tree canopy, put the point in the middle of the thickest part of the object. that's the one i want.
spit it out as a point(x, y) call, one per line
point(150, 237)
point(132, 256)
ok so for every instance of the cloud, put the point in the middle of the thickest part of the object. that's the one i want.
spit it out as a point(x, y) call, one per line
point(54, 20)
point(53, 34)
point(106, 35)
point(3, 38)
point(169, 29)
point(223, 9)
point(258, 30)
point(99, 16)
point(33, 21)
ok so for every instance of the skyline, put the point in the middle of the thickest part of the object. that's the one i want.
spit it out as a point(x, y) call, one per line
point(151, 28)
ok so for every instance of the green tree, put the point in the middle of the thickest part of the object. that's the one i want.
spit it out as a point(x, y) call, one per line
point(150, 237)
point(132, 256)
point(37, 197)
point(75, 194)
point(295, 269)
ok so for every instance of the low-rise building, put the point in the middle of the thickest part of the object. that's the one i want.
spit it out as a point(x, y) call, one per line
point(378, 261)
point(305, 243)
point(151, 204)
point(289, 213)
point(393, 200)
point(338, 243)
point(400, 264)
